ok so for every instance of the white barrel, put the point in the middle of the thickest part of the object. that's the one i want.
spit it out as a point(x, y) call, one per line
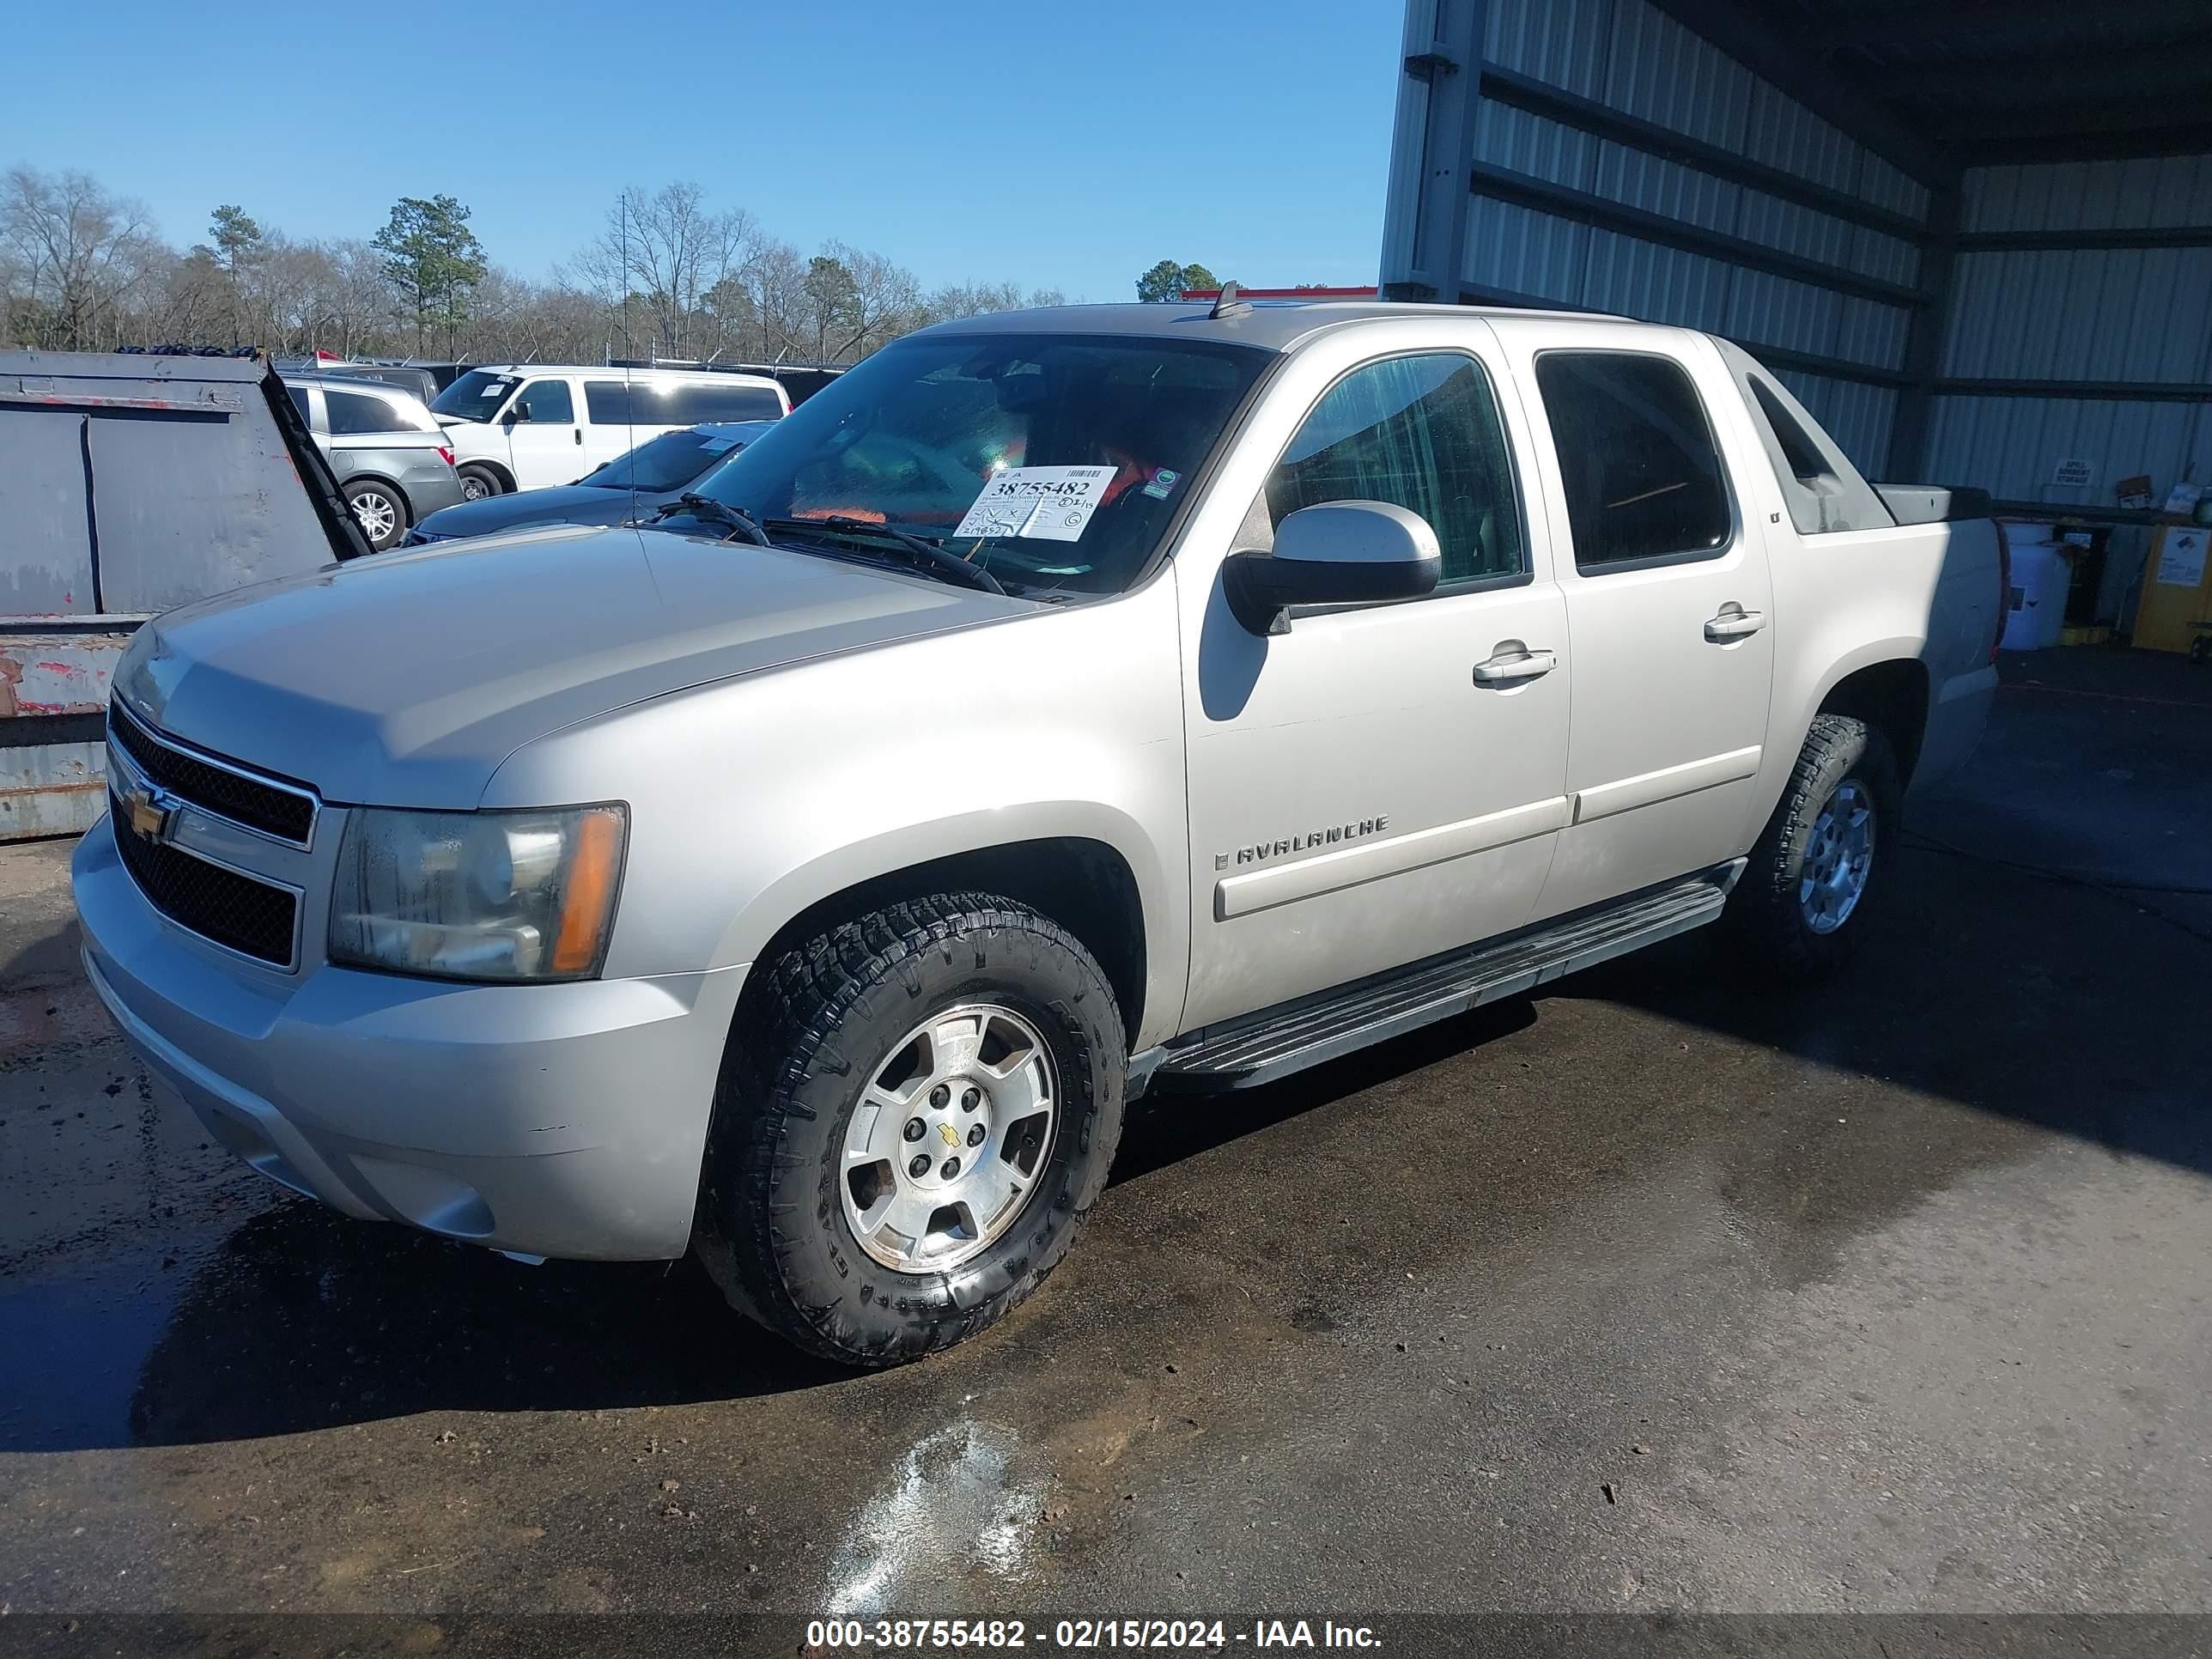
point(2041, 573)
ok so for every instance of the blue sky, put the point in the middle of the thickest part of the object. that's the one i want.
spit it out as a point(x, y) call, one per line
point(1054, 144)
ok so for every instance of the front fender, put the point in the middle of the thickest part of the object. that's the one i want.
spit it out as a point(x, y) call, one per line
point(752, 799)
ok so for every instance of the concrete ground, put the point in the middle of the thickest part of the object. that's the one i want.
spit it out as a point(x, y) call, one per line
point(1648, 1294)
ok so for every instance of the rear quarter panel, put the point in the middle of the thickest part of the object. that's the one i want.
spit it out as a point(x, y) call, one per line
point(1849, 599)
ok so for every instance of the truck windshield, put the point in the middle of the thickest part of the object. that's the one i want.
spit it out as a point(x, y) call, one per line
point(475, 395)
point(1053, 461)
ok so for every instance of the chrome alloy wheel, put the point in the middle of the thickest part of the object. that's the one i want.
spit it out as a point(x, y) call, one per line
point(946, 1147)
point(1837, 857)
point(377, 513)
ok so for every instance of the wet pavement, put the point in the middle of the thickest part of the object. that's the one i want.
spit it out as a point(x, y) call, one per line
point(1650, 1293)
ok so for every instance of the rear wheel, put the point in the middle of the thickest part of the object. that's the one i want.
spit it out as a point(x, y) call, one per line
point(479, 483)
point(1800, 909)
point(381, 511)
point(919, 1108)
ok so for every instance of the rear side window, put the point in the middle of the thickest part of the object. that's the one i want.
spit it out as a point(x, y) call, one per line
point(549, 402)
point(1420, 432)
point(299, 397)
point(608, 404)
point(352, 412)
point(1643, 474)
point(697, 406)
point(1823, 490)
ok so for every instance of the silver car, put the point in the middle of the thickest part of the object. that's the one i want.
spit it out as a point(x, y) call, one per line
point(390, 457)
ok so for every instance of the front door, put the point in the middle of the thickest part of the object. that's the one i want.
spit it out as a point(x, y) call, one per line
point(543, 437)
point(1671, 603)
point(1360, 797)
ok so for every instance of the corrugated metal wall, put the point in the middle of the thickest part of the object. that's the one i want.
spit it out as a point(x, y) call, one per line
point(2103, 314)
point(2112, 315)
point(1629, 56)
point(1988, 328)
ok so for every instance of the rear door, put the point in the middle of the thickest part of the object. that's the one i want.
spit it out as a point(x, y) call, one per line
point(545, 437)
point(623, 412)
point(1668, 602)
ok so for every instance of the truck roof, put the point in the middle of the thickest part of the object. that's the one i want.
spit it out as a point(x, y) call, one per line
point(1275, 325)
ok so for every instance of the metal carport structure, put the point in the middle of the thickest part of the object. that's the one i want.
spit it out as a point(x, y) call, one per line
point(1975, 237)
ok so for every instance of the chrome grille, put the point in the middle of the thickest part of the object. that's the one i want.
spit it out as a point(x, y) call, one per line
point(246, 915)
point(283, 810)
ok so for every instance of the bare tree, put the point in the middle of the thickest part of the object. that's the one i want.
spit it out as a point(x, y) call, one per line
point(776, 278)
point(359, 298)
point(85, 252)
point(959, 299)
point(82, 269)
point(883, 301)
point(665, 251)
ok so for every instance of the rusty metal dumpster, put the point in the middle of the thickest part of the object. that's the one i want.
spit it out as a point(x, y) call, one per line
point(130, 484)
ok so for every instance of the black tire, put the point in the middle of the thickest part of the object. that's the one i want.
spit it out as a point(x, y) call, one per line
point(374, 502)
point(1766, 927)
point(810, 1037)
point(480, 483)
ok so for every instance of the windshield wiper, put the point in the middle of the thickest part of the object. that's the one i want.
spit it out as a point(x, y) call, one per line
point(705, 507)
point(931, 556)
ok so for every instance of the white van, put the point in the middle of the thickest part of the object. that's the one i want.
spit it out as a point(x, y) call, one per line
point(527, 426)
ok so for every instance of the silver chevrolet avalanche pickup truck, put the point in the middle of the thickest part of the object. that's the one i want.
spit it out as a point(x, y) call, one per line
point(1058, 705)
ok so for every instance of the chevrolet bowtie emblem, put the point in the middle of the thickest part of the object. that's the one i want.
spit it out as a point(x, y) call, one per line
point(951, 1135)
point(149, 811)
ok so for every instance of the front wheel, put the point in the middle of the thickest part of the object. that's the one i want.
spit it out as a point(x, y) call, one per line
point(917, 1112)
point(1800, 909)
point(479, 483)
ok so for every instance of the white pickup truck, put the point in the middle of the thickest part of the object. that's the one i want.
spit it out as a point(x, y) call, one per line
point(1059, 704)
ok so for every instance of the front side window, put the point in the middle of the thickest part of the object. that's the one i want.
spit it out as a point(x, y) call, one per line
point(548, 402)
point(1420, 432)
point(1053, 461)
point(1643, 474)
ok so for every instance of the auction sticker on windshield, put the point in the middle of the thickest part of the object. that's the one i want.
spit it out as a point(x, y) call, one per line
point(1045, 503)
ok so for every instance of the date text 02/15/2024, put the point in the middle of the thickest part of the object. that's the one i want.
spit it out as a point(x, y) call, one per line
point(903, 1635)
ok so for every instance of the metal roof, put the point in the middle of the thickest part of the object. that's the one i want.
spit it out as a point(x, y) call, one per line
point(1991, 81)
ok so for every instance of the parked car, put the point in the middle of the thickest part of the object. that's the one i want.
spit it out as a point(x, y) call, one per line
point(409, 377)
point(1060, 704)
point(528, 426)
point(629, 487)
point(390, 457)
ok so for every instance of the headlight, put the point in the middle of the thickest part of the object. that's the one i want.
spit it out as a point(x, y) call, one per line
point(494, 896)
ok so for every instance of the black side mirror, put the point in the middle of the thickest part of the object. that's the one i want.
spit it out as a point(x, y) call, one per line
point(519, 412)
point(1338, 553)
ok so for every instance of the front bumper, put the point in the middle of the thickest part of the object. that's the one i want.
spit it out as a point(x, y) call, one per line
point(550, 1120)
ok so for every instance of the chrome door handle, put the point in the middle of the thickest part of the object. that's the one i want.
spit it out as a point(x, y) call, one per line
point(1735, 624)
point(1511, 670)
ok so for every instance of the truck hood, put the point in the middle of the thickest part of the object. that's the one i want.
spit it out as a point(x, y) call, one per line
point(404, 680)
